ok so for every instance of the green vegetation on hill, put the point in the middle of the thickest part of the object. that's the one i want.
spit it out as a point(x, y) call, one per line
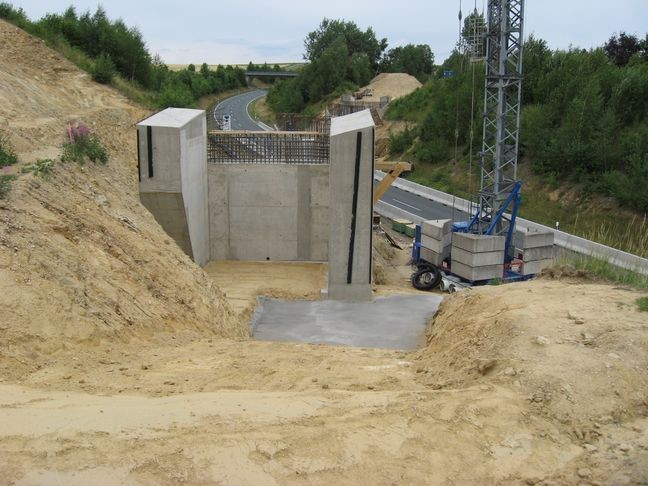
point(340, 58)
point(115, 53)
point(584, 117)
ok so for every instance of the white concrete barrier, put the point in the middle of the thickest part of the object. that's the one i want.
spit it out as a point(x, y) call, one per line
point(568, 241)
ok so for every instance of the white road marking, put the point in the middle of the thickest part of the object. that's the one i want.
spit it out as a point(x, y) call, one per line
point(408, 205)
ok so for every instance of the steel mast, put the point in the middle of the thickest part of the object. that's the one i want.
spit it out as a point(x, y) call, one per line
point(502, 102)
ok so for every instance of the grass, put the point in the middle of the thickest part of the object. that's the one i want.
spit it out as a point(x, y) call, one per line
point(7, 153)
point(642, 304)
point(5, 184)
point(42, 167)
point(593, 218)
point(259, 110)
point(603, 270)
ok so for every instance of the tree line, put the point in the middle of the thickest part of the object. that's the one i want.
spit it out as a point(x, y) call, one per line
point(584, 115)
point(341, 57)
point(106, 48)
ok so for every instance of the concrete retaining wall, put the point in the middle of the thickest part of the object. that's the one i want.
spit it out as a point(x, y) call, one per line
point(269, 212)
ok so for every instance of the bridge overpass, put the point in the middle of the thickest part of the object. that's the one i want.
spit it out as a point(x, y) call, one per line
point(249, 75)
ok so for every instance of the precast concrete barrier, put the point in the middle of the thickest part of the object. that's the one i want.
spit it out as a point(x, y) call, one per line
point(562, 239)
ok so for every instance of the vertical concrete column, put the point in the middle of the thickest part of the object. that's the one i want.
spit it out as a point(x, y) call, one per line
point(351, 207)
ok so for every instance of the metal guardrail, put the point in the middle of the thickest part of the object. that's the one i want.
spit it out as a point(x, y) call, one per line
point(229, 147)
point(568, 241)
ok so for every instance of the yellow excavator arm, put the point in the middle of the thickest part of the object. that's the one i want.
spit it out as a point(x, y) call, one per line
point(393, 169)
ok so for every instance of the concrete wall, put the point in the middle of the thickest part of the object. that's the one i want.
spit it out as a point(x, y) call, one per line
point(193, 161)
point(351, 196)
point(176, 191)
point(269, 212)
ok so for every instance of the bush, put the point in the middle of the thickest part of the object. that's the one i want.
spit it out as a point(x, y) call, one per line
point(5, 184)
point(103, 70)
point(7, 154)
point(81, 145)
point(642, 304)
point(401, 142)
point(176, 95)
point(431, 151)
point(42, 167)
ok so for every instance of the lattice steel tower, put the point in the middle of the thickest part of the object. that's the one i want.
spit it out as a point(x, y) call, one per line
point(502, 100)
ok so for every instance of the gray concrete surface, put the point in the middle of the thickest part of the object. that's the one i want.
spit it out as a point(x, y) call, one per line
point(179, 163)
point(394, 322)
point(269, 212)
point(351, 206)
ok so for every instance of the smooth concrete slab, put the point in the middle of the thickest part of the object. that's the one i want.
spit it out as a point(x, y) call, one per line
point(394, 322)
point(436, 245)
point(436, 228)
point(172, 117)
point(539, 253)
point(531, 268)
point(533, 239)
point(478, 243)
point(474, 274)
point(477, 259)
point(433, 256)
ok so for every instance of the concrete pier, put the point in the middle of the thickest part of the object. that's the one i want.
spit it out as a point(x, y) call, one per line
point(172, 166)
point(351, 207)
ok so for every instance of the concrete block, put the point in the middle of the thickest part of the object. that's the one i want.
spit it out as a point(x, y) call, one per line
point(477, 273)
point(539, 253)
point(478, 243)
point(434, 257)
point(436, 245)
point(483, 259)
point(436, 228)
point(531, 268)
point(533, 239)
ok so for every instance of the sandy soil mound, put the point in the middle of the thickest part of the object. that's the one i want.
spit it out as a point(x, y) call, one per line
point(80, 258)
point(393, 85)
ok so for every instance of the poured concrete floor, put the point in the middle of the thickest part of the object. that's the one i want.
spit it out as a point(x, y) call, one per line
point(394, 322)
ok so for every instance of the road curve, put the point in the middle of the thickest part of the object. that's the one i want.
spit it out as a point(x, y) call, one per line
point(236, 107)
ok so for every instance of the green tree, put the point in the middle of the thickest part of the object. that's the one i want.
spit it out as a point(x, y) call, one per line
point(104, 69)
point(357, 41)
point(416, 60)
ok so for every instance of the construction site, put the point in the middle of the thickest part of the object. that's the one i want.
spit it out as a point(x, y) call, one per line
point(231, 307)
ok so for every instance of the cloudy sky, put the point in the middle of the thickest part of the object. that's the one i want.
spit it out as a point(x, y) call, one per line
point(274, 30)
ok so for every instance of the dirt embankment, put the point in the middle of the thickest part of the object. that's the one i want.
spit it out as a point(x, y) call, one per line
point(80, 258)
point(541, 382)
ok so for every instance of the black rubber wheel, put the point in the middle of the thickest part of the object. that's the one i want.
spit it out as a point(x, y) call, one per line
point(426, 278)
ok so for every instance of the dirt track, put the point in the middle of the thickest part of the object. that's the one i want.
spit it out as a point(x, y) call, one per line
point(122, 363)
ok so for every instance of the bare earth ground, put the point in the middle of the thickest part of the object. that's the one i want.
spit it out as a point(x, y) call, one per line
point(393, 85)
point(122, 363)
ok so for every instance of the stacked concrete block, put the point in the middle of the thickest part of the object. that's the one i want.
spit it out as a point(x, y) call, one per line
point(537, 250)
point(478, 257)
point(436, 240)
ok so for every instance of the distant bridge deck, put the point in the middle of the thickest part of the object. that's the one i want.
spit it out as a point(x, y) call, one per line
point(271, 74)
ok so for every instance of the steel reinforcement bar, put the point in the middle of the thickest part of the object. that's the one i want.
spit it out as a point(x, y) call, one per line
point(229, 147)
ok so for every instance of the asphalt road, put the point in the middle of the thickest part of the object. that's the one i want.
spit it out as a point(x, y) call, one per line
point(421, 206)
point(236, 107)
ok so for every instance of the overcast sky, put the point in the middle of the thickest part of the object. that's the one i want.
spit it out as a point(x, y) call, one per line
point(274, 30)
